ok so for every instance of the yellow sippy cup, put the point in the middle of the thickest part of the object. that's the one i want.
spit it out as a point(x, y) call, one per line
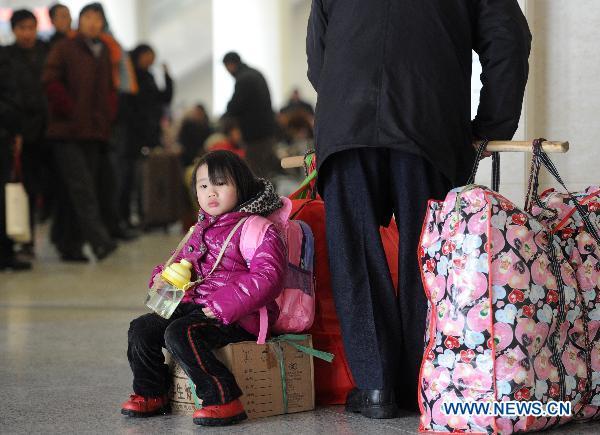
point(163, 299)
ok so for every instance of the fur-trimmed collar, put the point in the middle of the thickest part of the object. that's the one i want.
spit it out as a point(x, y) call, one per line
point(264, 203)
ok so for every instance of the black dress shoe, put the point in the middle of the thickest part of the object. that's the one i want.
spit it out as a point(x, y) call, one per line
point(125, 234)
point(14, 264)
point(74, 257)
point(372, 403)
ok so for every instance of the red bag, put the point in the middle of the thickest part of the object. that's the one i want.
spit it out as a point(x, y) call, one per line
point(333, 380)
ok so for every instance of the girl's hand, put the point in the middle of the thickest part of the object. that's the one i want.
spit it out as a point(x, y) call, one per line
point(208, 313)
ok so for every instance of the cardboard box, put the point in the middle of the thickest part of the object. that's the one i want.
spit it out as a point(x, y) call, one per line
point(257, 371)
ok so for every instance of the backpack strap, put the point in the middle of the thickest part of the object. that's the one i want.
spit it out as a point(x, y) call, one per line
point(264, 325)
point(253, 233)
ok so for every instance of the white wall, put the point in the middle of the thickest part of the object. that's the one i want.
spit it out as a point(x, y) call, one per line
point(182, 35)
point(251, 28)
point(294, 53)
point(565, 102)
point(121, 15)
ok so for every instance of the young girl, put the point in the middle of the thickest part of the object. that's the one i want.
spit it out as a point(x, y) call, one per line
point(222, 309)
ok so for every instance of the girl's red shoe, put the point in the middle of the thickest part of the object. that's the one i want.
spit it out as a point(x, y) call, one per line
point(220, 415)
point(140, 406)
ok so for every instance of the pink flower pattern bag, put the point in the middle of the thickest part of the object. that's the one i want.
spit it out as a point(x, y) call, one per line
point(505, 319)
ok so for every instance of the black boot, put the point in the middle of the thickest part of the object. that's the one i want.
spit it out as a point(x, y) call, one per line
point(373, 403)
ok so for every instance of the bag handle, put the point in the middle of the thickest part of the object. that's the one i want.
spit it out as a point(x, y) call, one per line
point(495, 166)
point(307, 187)
point(541, 158)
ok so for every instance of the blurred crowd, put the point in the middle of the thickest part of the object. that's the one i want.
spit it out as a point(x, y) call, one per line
point(87, 130)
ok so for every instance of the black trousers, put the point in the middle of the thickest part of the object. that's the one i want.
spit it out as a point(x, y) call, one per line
point(31, 163)
point(190, 336)
point(108, 189)
point(383, 333)
point(79, 165)
point(6, 163)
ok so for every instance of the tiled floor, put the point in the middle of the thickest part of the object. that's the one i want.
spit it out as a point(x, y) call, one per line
point(63, 368)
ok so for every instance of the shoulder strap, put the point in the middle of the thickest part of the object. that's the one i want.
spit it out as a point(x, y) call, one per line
point(252, 235)
point(264, 325)
point(221, 253)
point(180, 246)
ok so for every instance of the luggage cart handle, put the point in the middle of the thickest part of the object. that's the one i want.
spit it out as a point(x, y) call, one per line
point(518, 146)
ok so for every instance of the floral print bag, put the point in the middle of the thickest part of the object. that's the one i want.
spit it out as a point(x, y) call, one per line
point(504, 319)
point(575, 218)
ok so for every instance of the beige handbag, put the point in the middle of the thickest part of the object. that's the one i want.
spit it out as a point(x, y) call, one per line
point(17, 207)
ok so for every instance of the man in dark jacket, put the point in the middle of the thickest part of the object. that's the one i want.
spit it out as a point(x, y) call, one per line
point(60, 16)
point(27, 56)
point(251, 106)
point(10, 120)
point(78, 81)
point(393, 129)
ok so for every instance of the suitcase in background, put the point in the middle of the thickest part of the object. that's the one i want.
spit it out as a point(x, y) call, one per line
point(163, 191)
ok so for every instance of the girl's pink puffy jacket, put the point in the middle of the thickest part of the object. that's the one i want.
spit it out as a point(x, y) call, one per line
point(236, 290)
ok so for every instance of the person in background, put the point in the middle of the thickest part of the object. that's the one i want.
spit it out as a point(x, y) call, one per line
point(232, 140)
point(141, 115)
point(194, 130)
point(10, 141)
point(150, 102)
point(295, 103)
point(109, 181)
point(60, 16)
point(393, 129)
point(27, 57)
point(251, 106)
point(82, 99)
point(296, 120)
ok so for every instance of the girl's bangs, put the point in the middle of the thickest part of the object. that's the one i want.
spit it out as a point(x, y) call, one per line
point(219, 172)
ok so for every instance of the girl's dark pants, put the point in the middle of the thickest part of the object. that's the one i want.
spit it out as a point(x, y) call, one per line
point(190, 337)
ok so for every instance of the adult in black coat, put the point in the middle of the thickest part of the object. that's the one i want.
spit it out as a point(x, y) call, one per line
point(148, 106)
point(10, 121)
point(27, 57)
point(251, 106)
point(393, 129)
point(141, 114)
point(60, 16)
point(194, 131)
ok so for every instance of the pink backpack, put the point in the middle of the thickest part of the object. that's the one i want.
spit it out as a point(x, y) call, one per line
point(297, 300)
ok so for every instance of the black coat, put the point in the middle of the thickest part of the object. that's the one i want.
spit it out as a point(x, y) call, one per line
point(148, 107)
point(192, 135)
point(251, 105)
point(27, 66)
point(10, 109)
point(397, 74)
